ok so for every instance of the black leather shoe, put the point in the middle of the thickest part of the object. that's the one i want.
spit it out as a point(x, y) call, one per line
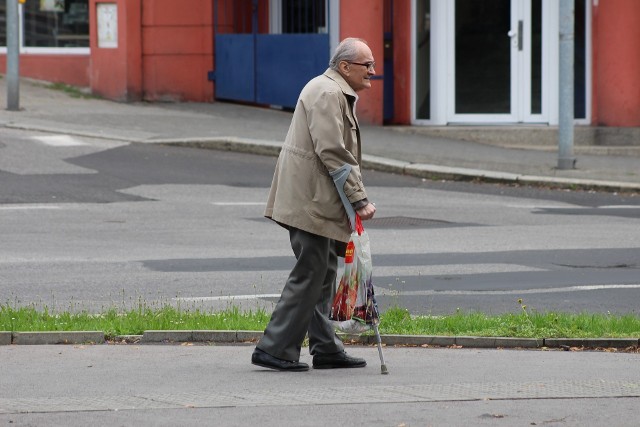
point(266, 360)
point(337, 360)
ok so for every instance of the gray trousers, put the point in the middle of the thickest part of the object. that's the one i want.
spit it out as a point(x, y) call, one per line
point(306, 299)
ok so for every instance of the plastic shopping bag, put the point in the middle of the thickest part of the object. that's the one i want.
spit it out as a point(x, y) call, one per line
point(354, 309)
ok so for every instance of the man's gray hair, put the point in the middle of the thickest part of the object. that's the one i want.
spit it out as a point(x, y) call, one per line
point(347, 50)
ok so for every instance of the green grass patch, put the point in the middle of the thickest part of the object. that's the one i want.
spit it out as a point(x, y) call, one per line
point(72, 91)
point(394, 321)
point(520, 325)
point(133, 322)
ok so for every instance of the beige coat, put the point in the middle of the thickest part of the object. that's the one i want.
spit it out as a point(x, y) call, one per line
point(323, 136)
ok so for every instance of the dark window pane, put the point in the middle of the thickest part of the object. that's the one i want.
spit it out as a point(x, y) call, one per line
point(423, 59)
point(3, 24)
point(56, 23)
point(303, 16)
point(536, 57)
point(483, 57)
point(580, 58)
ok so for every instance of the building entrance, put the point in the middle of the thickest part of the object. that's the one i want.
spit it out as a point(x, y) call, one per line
point(493, 61)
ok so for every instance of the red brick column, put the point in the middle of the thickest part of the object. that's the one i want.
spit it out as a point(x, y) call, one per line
point(617, 63)
point(402, 62)
point(116, 73)
point(177, 50)
point(364, 19)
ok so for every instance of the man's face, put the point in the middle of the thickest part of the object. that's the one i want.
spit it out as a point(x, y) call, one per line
point(355, 73)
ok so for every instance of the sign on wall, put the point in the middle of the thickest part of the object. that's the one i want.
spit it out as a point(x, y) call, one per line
point(107, 17)
point(52, 5)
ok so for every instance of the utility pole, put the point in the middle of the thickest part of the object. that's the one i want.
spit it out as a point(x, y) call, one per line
point(566, 159)
point(13, 56)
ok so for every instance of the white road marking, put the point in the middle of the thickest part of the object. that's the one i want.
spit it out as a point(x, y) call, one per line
point(430, 292)
point(457, 269)
point(27, 207)
point(564, 206)
point(227, 298)
point(573, 207)
point(59, 140)
point(238, 203)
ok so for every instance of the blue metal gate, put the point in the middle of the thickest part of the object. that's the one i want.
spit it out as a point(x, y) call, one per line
point(252, 65)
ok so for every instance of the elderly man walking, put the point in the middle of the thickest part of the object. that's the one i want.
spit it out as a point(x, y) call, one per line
point(323, 137)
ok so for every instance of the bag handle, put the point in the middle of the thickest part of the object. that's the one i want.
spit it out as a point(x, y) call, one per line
point(359, 226)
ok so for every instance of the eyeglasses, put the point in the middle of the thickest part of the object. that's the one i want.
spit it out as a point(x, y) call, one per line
point(370, 65)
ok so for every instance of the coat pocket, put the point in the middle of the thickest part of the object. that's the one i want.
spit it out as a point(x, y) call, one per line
point(325, 204)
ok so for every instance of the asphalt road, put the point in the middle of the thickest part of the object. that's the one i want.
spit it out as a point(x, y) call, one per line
point(89, 224)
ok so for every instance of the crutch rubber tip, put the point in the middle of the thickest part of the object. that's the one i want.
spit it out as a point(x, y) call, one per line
point(383, 370)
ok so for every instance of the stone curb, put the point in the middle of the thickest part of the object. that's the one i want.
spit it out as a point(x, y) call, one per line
point(381, 164)
point(200, 336)
point(72, 132)
point(448, 341)
point(419, 170)
point(400, 340)
point(169, 336)
point(592, 343)
point(129, 339)
point(5, 338)
point(228, 143)
point(499, 342)
point(41, 338)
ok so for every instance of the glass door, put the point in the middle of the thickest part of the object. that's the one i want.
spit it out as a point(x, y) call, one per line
point(495, 61)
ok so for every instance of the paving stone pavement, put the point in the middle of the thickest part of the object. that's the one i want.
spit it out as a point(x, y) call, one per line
point(216, 385)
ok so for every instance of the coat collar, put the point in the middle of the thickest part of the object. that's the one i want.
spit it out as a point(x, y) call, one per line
point(344, 86)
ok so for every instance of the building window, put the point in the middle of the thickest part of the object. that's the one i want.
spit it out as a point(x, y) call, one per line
point(51, 24)
point(580, 60)
point(299, 16)
point(423, 59)
point(3, 23)
point(56, 23)
point(304, 16)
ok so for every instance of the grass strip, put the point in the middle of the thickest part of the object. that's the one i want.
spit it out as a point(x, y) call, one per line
point(395, 320)
point(114, 322)
point(72, 91)
point(519, 325)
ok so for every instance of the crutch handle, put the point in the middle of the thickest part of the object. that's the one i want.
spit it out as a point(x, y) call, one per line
point(340, 176)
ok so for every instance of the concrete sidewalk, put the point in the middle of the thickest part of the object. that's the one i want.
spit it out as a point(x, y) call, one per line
point(216, 385)
point(407, 149)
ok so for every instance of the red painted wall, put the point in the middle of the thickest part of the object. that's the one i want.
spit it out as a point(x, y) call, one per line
point(364, 19)
point(69, 69)
point(177, 50)
point(402, 62)
point(117, 73)
point(616, 40)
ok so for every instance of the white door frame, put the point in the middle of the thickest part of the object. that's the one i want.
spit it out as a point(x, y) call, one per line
point(452, 117)
point(443, 77)
point(520, 90)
